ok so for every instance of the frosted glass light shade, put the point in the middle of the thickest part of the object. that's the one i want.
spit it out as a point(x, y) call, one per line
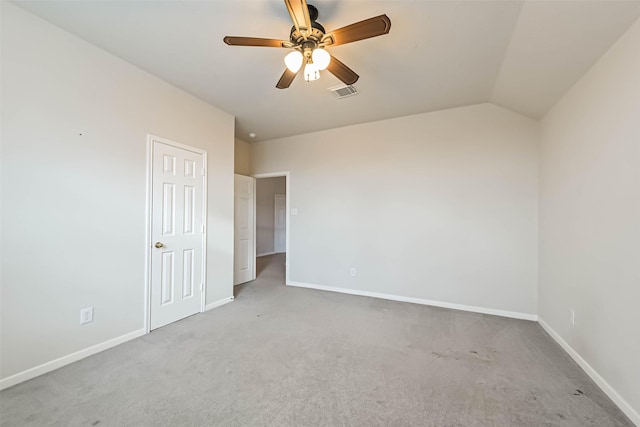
point(311, 72)
point(293, 61)
point(321, 58)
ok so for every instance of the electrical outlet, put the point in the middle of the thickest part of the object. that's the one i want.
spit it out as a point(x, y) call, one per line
point(572, 316)
point(86, 315)
point(353, 271)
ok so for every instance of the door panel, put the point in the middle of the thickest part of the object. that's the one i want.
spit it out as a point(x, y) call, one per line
point(188, 268)
point(244, 233)
point(166, 291)
point(177, 232)
point(189, 209)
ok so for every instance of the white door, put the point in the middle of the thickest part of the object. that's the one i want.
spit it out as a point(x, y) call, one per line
point(177, 233)
point(279, 223)
point(244, 231)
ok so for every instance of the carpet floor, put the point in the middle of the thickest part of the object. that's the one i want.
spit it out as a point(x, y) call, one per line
point(284, 356)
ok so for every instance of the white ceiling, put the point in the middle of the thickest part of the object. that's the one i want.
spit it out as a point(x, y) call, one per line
point(439, 54)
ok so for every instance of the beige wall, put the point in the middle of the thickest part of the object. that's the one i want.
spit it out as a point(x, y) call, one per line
point(266, 188)
point(590, 219)
point(439, 206)
point(242, 157)
point(75, 121)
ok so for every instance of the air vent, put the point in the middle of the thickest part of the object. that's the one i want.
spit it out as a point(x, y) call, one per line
point(343, 91)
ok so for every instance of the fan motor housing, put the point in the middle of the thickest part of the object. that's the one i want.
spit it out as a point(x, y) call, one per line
point(317, 30)
point(317, 33)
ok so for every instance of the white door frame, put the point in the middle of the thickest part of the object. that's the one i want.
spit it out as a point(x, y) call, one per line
point(147, 256)
point(287, 221)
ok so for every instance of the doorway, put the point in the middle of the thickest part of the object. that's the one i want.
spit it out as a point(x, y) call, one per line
point(272, 226)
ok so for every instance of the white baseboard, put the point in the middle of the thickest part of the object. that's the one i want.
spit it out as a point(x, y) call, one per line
point(81, 354)
point(68, 359)
point(265, 254)
point(474, 309)
point(218, 303)
point(595, 376)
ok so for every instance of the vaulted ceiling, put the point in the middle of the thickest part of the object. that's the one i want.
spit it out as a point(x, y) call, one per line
point(523, 55)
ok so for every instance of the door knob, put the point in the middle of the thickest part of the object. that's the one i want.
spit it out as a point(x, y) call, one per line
point(159, 245)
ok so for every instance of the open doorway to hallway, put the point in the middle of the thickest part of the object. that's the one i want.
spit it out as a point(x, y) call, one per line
point(261, 229)
point(271, 227)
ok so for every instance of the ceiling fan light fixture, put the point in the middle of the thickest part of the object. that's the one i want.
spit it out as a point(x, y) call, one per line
point(308, 38)
point(293, 61)
point(321, 58)
point(311, 72)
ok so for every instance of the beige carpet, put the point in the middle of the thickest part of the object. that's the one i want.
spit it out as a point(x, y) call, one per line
point(282, 356)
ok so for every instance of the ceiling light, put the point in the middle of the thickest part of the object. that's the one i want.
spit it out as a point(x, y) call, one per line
point(293, 61)
point(321, 58)
point(311, 72)
point(252, 135)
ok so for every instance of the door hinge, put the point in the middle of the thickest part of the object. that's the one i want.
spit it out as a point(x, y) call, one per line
point(201, 287)
point(203, 172)
point(202, 229)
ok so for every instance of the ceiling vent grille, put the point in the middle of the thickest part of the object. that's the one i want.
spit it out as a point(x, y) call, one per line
point(343, 91)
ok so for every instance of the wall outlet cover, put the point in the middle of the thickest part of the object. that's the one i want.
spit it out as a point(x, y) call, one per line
point(86, 315)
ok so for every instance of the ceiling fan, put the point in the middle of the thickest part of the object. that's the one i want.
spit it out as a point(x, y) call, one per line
point(308, 39)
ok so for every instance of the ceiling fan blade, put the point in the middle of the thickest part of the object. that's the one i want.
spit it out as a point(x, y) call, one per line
point(254, 41)
point(368, 28)
point(299, 12)
point(341, 71)
point(286, 79)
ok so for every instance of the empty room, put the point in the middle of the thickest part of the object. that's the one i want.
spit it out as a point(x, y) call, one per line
point(323, 213)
